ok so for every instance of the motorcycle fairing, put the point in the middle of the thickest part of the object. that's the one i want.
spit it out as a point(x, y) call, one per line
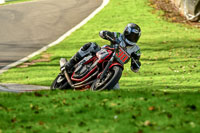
point(84, 77)
point(122, 56)
point(89, 64)
point(103, 54)
point(83, 68)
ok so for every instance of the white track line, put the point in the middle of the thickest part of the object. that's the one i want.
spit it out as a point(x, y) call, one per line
point(105, 2)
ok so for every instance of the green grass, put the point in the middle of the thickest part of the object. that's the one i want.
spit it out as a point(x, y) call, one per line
point(162, 97)
point(105, 112)
point(14, 1)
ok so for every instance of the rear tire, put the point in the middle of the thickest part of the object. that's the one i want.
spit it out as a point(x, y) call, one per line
point(109, 81)
point(60, 83)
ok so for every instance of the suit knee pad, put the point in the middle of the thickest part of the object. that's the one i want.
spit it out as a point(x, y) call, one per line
point(88, 48)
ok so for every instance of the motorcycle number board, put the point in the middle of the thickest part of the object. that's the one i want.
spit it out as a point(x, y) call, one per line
point(122, 56)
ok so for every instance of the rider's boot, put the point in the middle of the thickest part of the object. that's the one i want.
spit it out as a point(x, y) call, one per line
point(86, 49)
point(69, 66)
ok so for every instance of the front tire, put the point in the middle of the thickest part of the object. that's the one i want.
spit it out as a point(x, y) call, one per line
point(109, 81)
point(60, 83)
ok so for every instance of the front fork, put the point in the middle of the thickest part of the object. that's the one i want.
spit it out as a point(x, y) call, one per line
point(108, 65)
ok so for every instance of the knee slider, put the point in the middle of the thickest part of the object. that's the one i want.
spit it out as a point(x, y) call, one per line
point(86, 46)
point(95, 47)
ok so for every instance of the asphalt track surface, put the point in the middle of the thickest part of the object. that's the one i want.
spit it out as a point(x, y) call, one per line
point(27, 27)
point(18, 88)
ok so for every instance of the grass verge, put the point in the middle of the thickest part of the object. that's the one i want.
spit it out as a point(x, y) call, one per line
point(163, 96)
point(14, 1)
point(106, 112)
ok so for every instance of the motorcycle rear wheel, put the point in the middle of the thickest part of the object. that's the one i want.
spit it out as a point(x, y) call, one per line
point(109, 81)
point(60, 83)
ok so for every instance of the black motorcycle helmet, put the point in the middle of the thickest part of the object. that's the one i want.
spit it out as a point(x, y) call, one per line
point(131, 33)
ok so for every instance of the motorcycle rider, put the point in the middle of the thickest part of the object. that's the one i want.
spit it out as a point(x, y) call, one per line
point(127, 41)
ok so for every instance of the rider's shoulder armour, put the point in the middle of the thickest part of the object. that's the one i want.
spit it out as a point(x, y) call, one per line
point(133, 49)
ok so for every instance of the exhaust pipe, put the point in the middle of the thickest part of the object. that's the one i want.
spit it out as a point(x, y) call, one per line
point(81, 84)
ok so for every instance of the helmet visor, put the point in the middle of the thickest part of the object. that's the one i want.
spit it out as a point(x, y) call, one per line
point(132, 37)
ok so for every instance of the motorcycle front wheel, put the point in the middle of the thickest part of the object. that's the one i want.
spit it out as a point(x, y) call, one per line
point(60, 83)
point(109, 81)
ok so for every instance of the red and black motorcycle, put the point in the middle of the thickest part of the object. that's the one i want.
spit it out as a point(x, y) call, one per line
point(95, 72)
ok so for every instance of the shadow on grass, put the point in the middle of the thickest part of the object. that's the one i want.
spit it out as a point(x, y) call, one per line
point(162, 87)
point(166, 46)
point(57, 58)
point(54, 62)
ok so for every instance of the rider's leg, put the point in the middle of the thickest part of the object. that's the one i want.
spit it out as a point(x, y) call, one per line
point(116, 87)
point(84, 50)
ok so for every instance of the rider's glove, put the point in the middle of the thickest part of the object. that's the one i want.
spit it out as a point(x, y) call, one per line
point(135, 65)
point(116, 41)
